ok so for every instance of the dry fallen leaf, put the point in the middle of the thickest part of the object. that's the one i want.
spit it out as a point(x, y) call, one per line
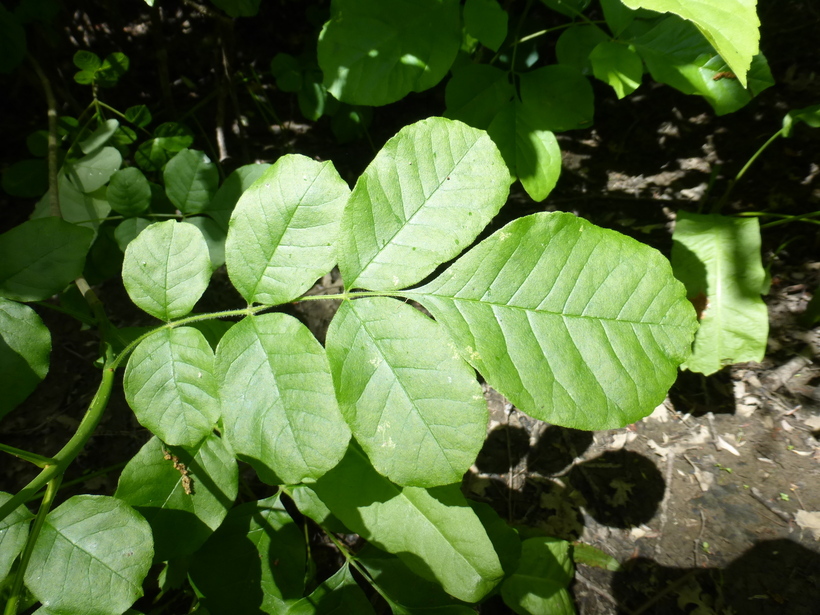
point(809, 520)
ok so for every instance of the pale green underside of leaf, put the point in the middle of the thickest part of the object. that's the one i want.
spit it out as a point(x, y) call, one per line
point(540, 583)
point(191, 180)
point(39, 258)
point(433, 531)
point(13, 534)
point(283, 231)
point(94, 170)
point(424, 198)
point(375, 52)
point(180, 521)
point(411, 402)
point(169, 383)
point(82, 209)
point(731, 26)
point(578, 326)
point(278, 405)
point(166, 269)
point(91, 557)
point(25, 348)
point(718, 260)
point(100, 136)
point(254, 560)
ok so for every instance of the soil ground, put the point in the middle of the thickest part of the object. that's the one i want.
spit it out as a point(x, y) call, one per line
point(711, 504)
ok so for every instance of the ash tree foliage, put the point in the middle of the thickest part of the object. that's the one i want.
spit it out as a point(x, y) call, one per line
point(371, 432)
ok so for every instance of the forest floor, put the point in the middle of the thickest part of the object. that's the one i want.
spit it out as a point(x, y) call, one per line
point(712, 503)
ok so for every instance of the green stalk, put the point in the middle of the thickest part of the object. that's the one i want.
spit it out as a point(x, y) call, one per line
point(70, 451)
point(716, 209)
point(39, 521)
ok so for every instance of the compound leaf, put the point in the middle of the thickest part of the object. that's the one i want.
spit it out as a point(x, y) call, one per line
point(284, 228)
point(39, 258)
point(577, 325)
point(375, 52)
point(540, 583)
point(433, 531)
point(183, 493)
point(411, 402)
point(191, 180)
point(253, 561)
point(425, 197)
point(278, 406)
point(718, 260)
point(92, 556)
point(25, 348)
point(731, 26)
point(169, 383)
point(166, 269)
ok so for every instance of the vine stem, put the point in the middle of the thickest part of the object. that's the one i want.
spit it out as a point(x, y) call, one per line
point(53, 195)
point(51, 492)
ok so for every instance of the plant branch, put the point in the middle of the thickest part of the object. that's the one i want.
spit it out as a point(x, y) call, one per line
point(39, 460)
point(53, 194)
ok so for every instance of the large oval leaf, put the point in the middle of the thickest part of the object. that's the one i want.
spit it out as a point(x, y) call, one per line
point(39, 258)
point(284, 228)
point(169, 383)
point(414, 406)
point(183, 493)
point(94, 170)
point(190, 181)
point(424, 198)
point(92, 556)
point(577, 325)
point(375, 52)
point(166, 269)
point(278, 405)
point(25, 347)
point(434, 532)
point(129, 192)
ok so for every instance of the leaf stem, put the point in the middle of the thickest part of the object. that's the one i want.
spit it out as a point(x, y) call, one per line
point(39, 460)
point(39, 521)
point(53, 184)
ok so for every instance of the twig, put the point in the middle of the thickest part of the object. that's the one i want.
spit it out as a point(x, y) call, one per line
point(759, 497)
point(700, 536)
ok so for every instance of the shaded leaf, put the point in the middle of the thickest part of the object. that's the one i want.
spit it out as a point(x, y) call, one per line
point(222, 205)
point(539, 586)
point(25, 349)
point(576, 325)
point(128, 229)
point(283, 230)
point(13, 534)
point(278, 406)
point(424, 198)
point(486, 21)
point(129, 192)
point(166, 269)
point(339, 594)
point(100, 136)
point(413, 405)
point(183, 493)
point(169, 383)
point(26, 178)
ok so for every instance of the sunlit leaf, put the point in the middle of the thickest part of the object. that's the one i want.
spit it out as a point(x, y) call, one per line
point(539, 586)
point(578, 326)
point(191, 180)
point(618, 66)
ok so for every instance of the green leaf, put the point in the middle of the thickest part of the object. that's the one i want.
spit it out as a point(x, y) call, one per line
point(576, 43)
point(676, 53)
point(87, 60)
point(26, 178)
point(288, 72)
point(477, 93)
point(312, 96)
point(539, 586)
point(83, 209)
point(129, 192)
point(570, 8)
point(183, 493)
point(214, 237)
point(730, 26)
point(191, 180)
point(577, 325)
point(588, 555)
point(339, 594)
point(25, 349)
point(374, 52)
point(411, 402)
point(283, 230)
point(173, 137)
point(99, 137)
point(718, 260)
point(128, 229)
point(13, 533)
point(618, 17)
point(170, 385)
point(424, 198)
point(12, 41)
point(809, 115)
point(37, 143)
point(39, 258)
point(94, 170)
point(434, 532)
point(412, 593)
point(253, 561)
point(312, 507)
point(90, 543)
point(617, 65)
point(222, 205)
point(486, 21)
point(113, 67)
point(278, 406)
point(166, 269)
point(563, 95)
point(151, 156)
point(139, 115)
